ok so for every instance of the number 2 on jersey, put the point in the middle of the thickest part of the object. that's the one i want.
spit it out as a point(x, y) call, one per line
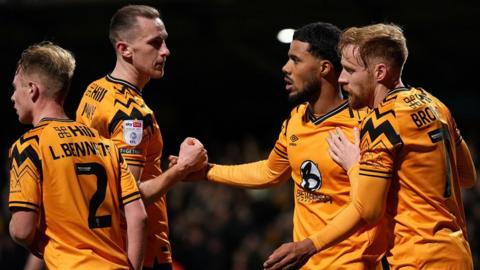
point(98, 197)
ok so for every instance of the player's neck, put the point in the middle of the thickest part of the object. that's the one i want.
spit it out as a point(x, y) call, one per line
point(381, 92)
point(48, 109)
point(127, 72)
point(330, 98)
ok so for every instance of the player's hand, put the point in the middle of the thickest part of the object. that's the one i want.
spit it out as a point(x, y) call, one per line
point(172, 161)
point(341, 150)
point(193, 176)
point(192, 156)
point(290, 256)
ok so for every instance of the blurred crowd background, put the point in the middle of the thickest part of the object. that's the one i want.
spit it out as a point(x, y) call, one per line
point(223, 85)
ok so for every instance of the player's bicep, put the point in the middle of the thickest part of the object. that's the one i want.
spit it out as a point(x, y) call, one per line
point(135, 210)
point(23, 225)
point(380, 141)
point(375, 172)
point(25, 177)
point(129, 188)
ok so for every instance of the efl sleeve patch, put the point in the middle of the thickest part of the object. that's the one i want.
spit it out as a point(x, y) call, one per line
point(132, 132)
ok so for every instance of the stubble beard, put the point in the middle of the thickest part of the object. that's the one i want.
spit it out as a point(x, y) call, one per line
point(354, 103)
point(308, 93)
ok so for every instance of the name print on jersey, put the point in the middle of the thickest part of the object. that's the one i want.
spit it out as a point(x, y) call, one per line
point(77, 149)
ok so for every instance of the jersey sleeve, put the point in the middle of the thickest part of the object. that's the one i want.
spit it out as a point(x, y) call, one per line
point(128, 136)
point(256, 174)
point(465, 166)
point(456, 136)
point(280, 147)
point(367, 206)
point(25, 174)
point(380, 140)
point(128, 185)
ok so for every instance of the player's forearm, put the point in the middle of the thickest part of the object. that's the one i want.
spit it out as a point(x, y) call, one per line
point(339, 229)
point(155, 188)
point(136, 217)
point(368, 200)
point(136, 248)
point(251, 175)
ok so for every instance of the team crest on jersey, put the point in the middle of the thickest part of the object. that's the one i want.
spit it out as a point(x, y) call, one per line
point(311, 177)
point(133, 132)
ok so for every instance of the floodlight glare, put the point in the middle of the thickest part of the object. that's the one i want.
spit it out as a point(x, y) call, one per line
point(285, 35)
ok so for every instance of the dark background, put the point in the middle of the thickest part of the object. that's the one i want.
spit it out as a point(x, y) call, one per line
point(224, 85)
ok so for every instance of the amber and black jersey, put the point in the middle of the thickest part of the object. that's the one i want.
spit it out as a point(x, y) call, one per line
point(411, 140)
point(321, 187)
point(78, 183)
point(117, 110)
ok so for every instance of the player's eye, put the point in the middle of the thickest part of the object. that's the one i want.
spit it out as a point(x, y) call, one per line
point(157, 43)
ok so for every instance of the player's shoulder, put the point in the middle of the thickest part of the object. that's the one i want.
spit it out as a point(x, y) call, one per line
point(381, 122)
point(409, 99)
point(98, 90)
point(395, 100)
point(32, 136)
point(27, 146)
point(299, 110)
point(359, 113)
point(340, 115)
point(414, 102)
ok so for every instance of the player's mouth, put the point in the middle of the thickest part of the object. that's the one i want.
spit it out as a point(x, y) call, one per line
point(288, 83)
point(344, 88)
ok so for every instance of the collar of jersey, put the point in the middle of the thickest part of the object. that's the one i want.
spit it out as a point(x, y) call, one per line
point(322, 118)
point(45, 119)
point(398, 89)
point(127, 84)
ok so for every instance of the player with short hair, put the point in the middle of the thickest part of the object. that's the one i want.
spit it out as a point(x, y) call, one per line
point(69, 186)
point(114, 106)
point(413, 159)
point(321, 187)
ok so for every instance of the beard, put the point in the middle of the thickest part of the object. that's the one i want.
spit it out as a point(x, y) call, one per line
point(310, 92)
point(359, 98)
point(355, 102)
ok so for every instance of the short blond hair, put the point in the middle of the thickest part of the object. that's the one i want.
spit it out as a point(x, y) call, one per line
point(377, 41)
point(53, 62)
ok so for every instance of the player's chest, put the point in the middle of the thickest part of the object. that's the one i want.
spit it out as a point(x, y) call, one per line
point(307, 150)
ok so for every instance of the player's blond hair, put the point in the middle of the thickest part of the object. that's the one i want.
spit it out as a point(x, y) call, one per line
point(54, 63)
point(125, 20)
point(377, 41)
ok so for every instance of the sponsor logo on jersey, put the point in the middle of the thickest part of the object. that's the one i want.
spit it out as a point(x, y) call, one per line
point(306, 196)
point(133, 132)
point(311, 177)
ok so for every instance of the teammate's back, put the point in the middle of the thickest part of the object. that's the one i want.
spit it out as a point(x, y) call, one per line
point(424, 203)
point(81, 190)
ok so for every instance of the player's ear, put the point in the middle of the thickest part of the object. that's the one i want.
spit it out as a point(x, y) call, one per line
point(123, 49)
point(33, 90)
point(380, 72)
point(325, 67)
